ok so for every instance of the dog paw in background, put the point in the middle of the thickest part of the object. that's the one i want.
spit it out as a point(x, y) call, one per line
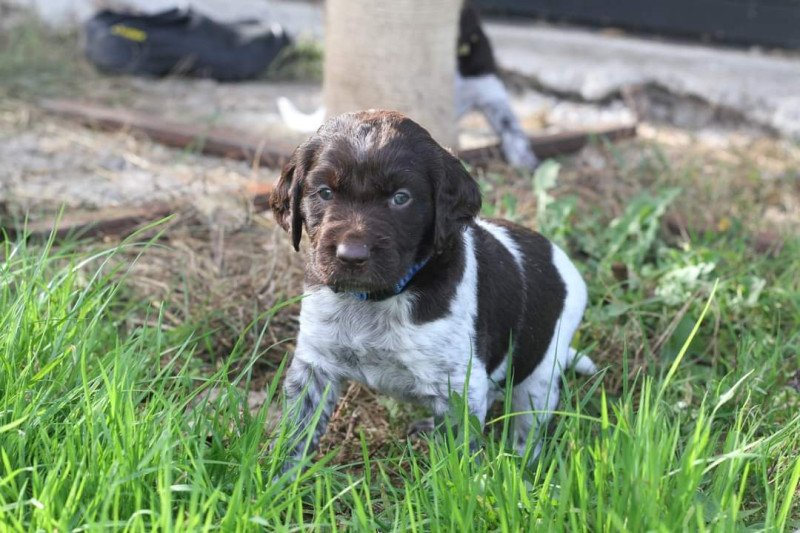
point(297, 120)
point(488, 95)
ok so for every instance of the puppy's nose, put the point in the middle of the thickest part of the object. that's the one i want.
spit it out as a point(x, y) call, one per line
point(352, 252)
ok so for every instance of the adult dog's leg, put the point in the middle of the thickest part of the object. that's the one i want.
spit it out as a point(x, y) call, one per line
point(487, 94)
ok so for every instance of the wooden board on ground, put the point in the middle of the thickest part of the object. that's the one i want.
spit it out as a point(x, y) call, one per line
point(115, 221)
point(231, 143)
point(271, 152)
point(553, 144)
point(221, 142)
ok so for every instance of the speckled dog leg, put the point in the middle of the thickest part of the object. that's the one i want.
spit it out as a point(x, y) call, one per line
point(308, 390)
point(488, 95)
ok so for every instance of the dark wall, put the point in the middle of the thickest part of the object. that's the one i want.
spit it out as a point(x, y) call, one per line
point(745, 22)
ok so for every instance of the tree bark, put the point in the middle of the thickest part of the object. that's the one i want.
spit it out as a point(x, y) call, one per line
point(394, 54)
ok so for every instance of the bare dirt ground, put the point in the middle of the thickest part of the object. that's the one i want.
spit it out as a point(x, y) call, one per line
point(220, 264)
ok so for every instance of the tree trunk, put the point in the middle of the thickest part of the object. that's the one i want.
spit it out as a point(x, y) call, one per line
point(394, 54)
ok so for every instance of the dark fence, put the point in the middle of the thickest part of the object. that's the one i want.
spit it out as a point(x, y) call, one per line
point(774, 23)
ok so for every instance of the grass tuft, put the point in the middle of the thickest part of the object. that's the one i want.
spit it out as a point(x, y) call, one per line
point(36, 61)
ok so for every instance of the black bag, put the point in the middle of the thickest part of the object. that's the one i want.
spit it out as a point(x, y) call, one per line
point(181, 42)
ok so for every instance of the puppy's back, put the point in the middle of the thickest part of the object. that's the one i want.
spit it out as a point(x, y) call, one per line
point(526, 286)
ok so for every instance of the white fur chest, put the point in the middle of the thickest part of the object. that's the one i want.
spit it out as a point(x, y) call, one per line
point(377, 343)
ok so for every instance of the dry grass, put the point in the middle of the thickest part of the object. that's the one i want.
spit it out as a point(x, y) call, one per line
point(220, 281)
point(730, 179)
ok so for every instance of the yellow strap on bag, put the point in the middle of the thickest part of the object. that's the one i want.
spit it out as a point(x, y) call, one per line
point(126, 32)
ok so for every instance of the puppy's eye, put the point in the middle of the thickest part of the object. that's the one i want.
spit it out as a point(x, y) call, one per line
point(401, 197)
point(325, 193)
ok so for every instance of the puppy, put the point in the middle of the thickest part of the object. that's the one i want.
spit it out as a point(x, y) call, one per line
point(408, 291)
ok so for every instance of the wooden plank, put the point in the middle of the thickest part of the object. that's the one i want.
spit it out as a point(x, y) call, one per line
point(114, 221)
point(259, 192)
point(552, 145)
point(231, 143)
point(222, 142)
point(236, 144)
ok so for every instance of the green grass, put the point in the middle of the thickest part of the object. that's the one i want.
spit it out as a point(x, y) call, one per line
point(36, 62)
point(107, 427)
point(300, 61)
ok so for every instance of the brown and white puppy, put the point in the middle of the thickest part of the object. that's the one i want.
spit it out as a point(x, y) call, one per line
point(408, 291)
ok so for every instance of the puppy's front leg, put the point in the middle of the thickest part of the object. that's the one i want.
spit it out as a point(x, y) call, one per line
point(308, 389)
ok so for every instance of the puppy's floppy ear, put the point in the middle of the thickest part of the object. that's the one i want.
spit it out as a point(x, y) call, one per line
point(286, 196)
point(457, 199)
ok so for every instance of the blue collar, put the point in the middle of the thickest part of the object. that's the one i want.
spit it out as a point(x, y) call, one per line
point(399, 287)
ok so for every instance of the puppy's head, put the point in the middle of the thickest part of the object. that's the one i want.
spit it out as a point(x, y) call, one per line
point(376, 194)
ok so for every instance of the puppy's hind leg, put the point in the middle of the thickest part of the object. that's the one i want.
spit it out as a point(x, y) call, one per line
point(533, 401)
point(536, 397)
point(539, 392)
point(581, 363)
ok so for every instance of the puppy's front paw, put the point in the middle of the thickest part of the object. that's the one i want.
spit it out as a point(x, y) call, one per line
point(287, 473)
point(418, 428)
